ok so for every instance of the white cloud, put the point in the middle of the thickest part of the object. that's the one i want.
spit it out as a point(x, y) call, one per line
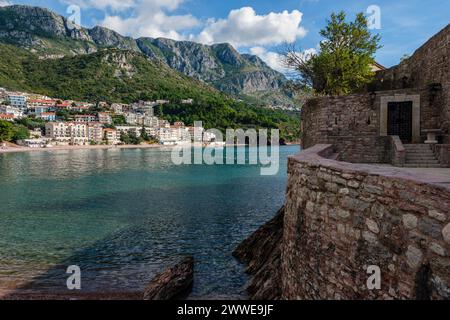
point(152, 18)
point(275, 60)
point(114, 5)
point(139, 18)
point(243, 27)
point(4, 3)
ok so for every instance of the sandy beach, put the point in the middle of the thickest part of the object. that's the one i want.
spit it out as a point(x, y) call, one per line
point(12, 149)
point(15, 148)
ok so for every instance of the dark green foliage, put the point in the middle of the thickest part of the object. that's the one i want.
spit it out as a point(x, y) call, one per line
point(343, 64)
point(119, 120)
point(6, 131)
point(20, 133)
point(130, 138)
point(13, 132)
point(31, 123)
point(144, 135)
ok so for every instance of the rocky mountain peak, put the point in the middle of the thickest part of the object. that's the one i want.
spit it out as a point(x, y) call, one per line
point(51, 36)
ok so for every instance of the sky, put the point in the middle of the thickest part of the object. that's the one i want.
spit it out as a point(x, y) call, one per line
point(260, 27)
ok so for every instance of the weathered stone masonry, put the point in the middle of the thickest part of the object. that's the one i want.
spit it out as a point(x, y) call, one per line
point(349, 123)
point(340, 218)
point(357, 124)
point(344, 213)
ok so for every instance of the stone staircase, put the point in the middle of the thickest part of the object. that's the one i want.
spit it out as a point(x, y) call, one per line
point(420, 156)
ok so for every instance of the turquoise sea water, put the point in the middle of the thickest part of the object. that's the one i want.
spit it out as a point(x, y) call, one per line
point(123, 215)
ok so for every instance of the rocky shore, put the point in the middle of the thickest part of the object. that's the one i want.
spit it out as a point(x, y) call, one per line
point(261, 252)
point(173, 283)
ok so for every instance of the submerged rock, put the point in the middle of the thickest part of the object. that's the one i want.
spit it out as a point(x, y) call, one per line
point(262, 252)
point(173, 283)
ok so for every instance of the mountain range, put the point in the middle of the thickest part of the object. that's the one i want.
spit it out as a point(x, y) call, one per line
point(52, 36)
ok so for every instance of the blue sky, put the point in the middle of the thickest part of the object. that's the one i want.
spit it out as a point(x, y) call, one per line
point(259, 26)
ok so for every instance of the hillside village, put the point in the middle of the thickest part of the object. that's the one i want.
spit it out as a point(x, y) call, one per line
point(60, 122)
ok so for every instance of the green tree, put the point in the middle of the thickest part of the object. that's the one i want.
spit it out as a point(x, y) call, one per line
point(343, 63)
point(124, 138)
point(6, 131)
point(20, 133)
point(133, 138)
point(119, 120)
point(144, 134)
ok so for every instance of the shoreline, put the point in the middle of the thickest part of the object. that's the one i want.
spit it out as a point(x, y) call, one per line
point(20, 149)
point(89, 147)
point(96, 295)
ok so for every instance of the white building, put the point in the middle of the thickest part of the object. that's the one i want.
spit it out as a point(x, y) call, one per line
point(36, 133)
point(128, 130)
point(34, 143)
point(150, 121)
point(196, 133)
point(208, 136)
point(119, 108)
point(95, 132)
point(104, 117)
point(65, 133)
point(15, 111)
point(111, 136)
point(135, 118)
point(144, 107)
point(47, 116)
point(17, 100)
point(34, 103)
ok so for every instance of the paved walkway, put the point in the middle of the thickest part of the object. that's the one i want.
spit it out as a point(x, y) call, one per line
point(437, 175)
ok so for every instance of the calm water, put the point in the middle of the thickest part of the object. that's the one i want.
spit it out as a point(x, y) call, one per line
point(123, 215)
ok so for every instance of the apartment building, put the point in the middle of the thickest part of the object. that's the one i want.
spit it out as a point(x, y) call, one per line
point(47, 116)
point(137, 119)
point(17, 100)
point(151, 121)
point(15, 111)
point(95, 132)
point(119, 108)
point(85, 118)
point(34, 103)
point(66, 133)
point(104, 117)
point(110, 136)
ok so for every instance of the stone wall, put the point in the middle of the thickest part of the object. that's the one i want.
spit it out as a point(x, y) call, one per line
point(427, 68)
point(351, 123)
point(341, 217)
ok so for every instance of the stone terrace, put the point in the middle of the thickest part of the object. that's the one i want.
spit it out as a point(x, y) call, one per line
point(342, 217)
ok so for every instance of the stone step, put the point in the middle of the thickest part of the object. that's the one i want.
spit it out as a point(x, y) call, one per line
point(420, 151)
point(431, 162)
point(420, 156)
point(416, 146)
point(420, 165)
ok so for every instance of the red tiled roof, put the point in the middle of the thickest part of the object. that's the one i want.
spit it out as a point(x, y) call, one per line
point(6, 116)
point(41, 101)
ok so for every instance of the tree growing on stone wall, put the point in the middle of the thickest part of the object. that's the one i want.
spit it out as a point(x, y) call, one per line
point(343, 63)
